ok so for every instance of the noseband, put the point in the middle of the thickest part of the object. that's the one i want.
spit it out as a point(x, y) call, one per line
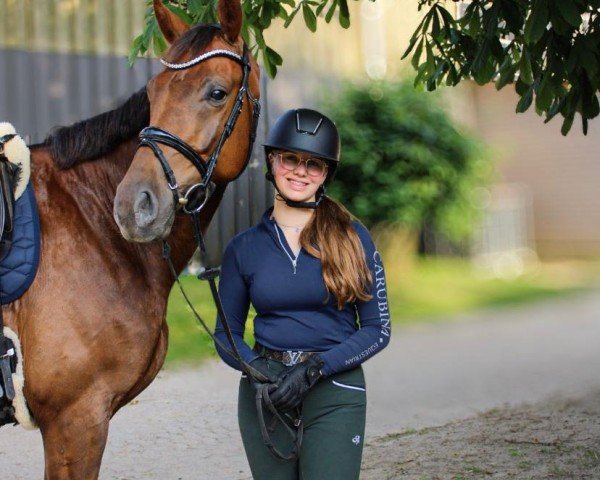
point(196, 196)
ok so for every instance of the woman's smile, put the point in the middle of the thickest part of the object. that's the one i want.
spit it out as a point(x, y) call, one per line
point(297, 185)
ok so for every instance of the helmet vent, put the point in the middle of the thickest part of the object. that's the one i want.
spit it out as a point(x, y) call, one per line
point(306, 128)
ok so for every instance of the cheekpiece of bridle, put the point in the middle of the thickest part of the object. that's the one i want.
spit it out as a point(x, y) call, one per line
point(196, 196)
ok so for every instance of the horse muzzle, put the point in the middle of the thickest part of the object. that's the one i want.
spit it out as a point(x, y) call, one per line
point(142, 215)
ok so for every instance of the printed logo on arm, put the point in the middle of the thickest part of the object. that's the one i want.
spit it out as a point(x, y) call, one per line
point(382, 302)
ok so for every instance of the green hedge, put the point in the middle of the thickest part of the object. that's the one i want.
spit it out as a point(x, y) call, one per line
point(404, 160)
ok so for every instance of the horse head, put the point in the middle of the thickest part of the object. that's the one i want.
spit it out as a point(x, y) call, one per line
point(203, 113)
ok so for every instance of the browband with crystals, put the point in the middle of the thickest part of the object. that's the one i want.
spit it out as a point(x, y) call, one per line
point(201, 58)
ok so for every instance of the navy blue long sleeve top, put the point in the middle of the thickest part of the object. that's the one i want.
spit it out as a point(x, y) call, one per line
point(293, 308)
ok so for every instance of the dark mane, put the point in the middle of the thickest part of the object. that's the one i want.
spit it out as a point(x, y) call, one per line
point(193, 41)
point(99, 135)
point(92, 138)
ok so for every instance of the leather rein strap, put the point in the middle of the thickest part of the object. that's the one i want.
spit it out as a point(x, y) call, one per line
point(191, 203)
point(292, 424)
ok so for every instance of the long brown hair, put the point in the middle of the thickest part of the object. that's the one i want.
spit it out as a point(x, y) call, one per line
point(330, 236)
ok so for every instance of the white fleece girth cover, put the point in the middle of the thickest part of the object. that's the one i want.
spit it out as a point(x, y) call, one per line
point(17, 153)
point(21, 411)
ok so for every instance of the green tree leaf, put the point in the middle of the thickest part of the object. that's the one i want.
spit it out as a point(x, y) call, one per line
point(417, 56)
point(180, 12)
point(569, 12)
point(291, 16)
point(526, 74)
point(321, 7)
point(544, 95)
point(567, 124)
point(513, 15)
point(274, 56)
point(525, 101)
point(536, 23)
point(344, 15)
point(331, 11)
point(507, 73)
point(309, 17)
point(411, 45)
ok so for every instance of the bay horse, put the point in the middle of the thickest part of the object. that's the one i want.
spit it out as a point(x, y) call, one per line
point(92, 325)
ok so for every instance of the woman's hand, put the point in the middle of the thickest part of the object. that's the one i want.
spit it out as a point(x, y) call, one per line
point(295, 383)
point(261, 366)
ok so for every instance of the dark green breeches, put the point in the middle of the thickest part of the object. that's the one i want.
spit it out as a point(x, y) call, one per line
point(333, 414)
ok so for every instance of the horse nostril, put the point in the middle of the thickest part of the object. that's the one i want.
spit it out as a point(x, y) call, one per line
point(145, 208)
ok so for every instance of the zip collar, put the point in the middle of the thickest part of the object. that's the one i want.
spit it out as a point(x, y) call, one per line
point(278, 237)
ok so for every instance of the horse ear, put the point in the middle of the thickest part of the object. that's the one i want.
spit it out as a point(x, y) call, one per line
point(171, 26)
point(230, 18)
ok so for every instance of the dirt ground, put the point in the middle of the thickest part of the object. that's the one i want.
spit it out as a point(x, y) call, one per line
point(555, 439)
point(534, 366)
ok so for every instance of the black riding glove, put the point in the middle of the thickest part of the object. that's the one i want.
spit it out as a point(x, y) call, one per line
point(260, 364)
point(295, 383)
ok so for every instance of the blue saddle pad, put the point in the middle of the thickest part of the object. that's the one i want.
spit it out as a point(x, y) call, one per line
point(18, 268)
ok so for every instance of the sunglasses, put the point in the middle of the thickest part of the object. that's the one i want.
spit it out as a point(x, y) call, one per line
point(314, 167)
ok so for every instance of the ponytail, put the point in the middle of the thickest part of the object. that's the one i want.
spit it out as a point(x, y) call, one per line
point(331, 237)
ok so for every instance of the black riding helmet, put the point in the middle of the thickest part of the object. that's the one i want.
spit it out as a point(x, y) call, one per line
point(307, 131)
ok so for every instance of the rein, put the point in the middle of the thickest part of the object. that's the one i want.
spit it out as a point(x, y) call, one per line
point(191, 203)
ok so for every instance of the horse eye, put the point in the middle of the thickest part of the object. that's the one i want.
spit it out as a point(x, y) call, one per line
point(218, 94)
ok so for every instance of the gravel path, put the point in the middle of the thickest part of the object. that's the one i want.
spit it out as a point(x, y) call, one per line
point(558, 438)
point(184, 425)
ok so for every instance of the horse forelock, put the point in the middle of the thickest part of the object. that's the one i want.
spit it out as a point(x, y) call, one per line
point(193, 42)
point(97, 136)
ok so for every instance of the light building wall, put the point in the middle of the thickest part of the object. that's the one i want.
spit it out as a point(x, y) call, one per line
point(71, 26)
point(371, 47)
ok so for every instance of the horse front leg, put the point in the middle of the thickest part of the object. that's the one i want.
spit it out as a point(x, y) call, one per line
point(74, 441)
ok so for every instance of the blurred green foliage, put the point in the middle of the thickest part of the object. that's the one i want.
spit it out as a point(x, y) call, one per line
point(403, 159)
point(549, 50)
point(258, 16)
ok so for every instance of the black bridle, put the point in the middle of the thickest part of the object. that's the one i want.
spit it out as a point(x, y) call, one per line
point(191, 203)
point(196, 196)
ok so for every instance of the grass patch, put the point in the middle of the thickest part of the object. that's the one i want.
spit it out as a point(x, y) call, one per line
point(432, 290)
point(436, 288)
point(188, 341)
point(590, 457)
point(405, 433)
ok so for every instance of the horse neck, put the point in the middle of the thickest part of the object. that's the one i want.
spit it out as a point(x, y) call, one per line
point(87, 193)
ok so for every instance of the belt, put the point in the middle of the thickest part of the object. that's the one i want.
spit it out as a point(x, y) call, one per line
point(287, 357)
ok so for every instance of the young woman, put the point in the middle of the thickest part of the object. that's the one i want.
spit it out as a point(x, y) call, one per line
point(317, 284)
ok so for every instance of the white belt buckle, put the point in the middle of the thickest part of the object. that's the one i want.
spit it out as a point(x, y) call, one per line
point(294, 358)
